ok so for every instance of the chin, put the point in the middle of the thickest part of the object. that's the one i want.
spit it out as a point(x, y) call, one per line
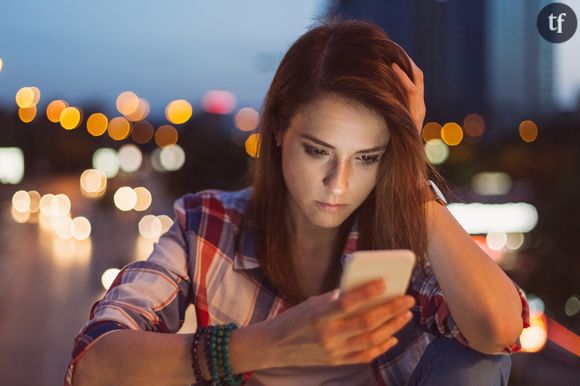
point(328, 220)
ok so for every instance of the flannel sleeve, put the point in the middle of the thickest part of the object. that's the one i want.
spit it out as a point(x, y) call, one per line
point(149, 295)
point(435, 316)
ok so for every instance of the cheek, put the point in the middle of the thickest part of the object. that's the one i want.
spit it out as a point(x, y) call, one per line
point(300, 174)
point(363, 182)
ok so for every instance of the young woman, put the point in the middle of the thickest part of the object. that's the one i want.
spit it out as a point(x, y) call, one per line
point(340, 167)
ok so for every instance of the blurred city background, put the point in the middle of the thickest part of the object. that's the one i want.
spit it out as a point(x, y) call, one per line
point(109, 111)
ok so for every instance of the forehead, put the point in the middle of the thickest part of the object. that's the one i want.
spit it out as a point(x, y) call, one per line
point(341, 122)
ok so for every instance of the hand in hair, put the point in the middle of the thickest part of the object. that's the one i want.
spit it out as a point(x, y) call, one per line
point(415, 92)
point(329, 329)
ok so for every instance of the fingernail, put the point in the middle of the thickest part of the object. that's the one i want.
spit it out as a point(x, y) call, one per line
point(409, 301)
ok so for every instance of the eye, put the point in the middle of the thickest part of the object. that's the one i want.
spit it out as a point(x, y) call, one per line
point(370, 159)
point(314, 152)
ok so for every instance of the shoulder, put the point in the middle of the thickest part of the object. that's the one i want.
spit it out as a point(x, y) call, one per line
point(212, 205)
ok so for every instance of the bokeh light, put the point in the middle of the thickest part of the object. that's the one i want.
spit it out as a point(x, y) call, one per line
point(63, 205)
point(142, 132)
point(474, 125)
point(150, 227)
point(172, 157)
point(166, 222)
point(491, 183)
point(219, 102)
point(125, 198)
point(528, 131)
point(97, 124)
point(108, 277)
point(496, 241)
point(252, 145)
point(119, 128)
point(54, 109)
point(452, 134)
point(19, 217)
point(36, 92)
point(247, 119)
point(515, 241)
point(572, 306)
point(143, 199)
point(46, 205)
point(93, 183)
point(11, 165)
point(21, 201)
point(436, 151)
point(70, 118)
point(166, 135)
point(141, 112)
point(81, 228)
point(431, 130)
point(534, 338)
point(25, 97)
point(64, 228)
point(178, 111)
point(130, 158)
point(107, 161)
point(27, 114)
point(127, 103)
point(34, 201)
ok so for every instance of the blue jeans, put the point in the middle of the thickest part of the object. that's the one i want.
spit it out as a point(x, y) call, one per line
point(448, 362)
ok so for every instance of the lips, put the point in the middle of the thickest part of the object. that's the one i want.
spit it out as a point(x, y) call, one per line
point(330, 207)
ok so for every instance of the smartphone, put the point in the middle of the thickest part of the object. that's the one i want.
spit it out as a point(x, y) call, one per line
point(395, 266)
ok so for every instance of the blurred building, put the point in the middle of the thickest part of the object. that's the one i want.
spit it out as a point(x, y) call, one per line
point(482, 57)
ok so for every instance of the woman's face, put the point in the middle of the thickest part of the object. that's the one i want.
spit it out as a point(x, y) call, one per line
point(330, 154)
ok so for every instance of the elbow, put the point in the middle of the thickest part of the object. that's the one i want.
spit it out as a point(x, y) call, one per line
point(81, 373)
point(499, 334)
point(85, 371)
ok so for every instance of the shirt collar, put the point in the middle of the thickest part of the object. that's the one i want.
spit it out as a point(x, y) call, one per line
point(245, 254)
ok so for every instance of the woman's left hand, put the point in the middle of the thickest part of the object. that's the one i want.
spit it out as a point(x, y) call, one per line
point(415, 93)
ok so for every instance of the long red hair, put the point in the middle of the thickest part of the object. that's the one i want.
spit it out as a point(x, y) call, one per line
point(351, 59)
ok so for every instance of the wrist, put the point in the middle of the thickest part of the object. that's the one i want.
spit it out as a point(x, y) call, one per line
point(252, 348)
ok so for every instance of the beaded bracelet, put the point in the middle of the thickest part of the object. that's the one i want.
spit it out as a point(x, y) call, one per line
point(217, 353)
point(195, 359)
point(229, 376)
point(219, 332)
point(211, 355)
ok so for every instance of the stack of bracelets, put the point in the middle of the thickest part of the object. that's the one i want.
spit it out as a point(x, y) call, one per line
point(217, 355)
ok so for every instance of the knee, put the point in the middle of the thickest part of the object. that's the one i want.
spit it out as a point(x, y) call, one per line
point(450, 362)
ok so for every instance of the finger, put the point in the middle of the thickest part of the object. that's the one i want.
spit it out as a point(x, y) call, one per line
point(352, 299)
point(368, 356)
point(373, 338)
point(402, 75)
point(344, 328)
point(418, 75)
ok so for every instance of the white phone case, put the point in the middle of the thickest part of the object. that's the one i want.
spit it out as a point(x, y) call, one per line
point(395, 266)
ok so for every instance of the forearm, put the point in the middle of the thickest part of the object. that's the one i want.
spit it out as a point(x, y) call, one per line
point(482, 299)
point(128, 357)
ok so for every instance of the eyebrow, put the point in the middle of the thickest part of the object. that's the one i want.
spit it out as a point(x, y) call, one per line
point(322, 143)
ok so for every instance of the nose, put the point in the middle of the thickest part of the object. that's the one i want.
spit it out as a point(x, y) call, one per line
point(337, 178)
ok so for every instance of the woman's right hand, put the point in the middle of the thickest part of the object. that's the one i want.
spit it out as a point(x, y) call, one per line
point(329, 329)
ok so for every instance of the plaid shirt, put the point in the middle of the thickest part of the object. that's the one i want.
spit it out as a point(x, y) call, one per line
point(207, 258)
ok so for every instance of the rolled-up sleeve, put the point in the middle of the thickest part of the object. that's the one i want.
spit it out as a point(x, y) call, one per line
point(435, 316)
point(149, 295)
